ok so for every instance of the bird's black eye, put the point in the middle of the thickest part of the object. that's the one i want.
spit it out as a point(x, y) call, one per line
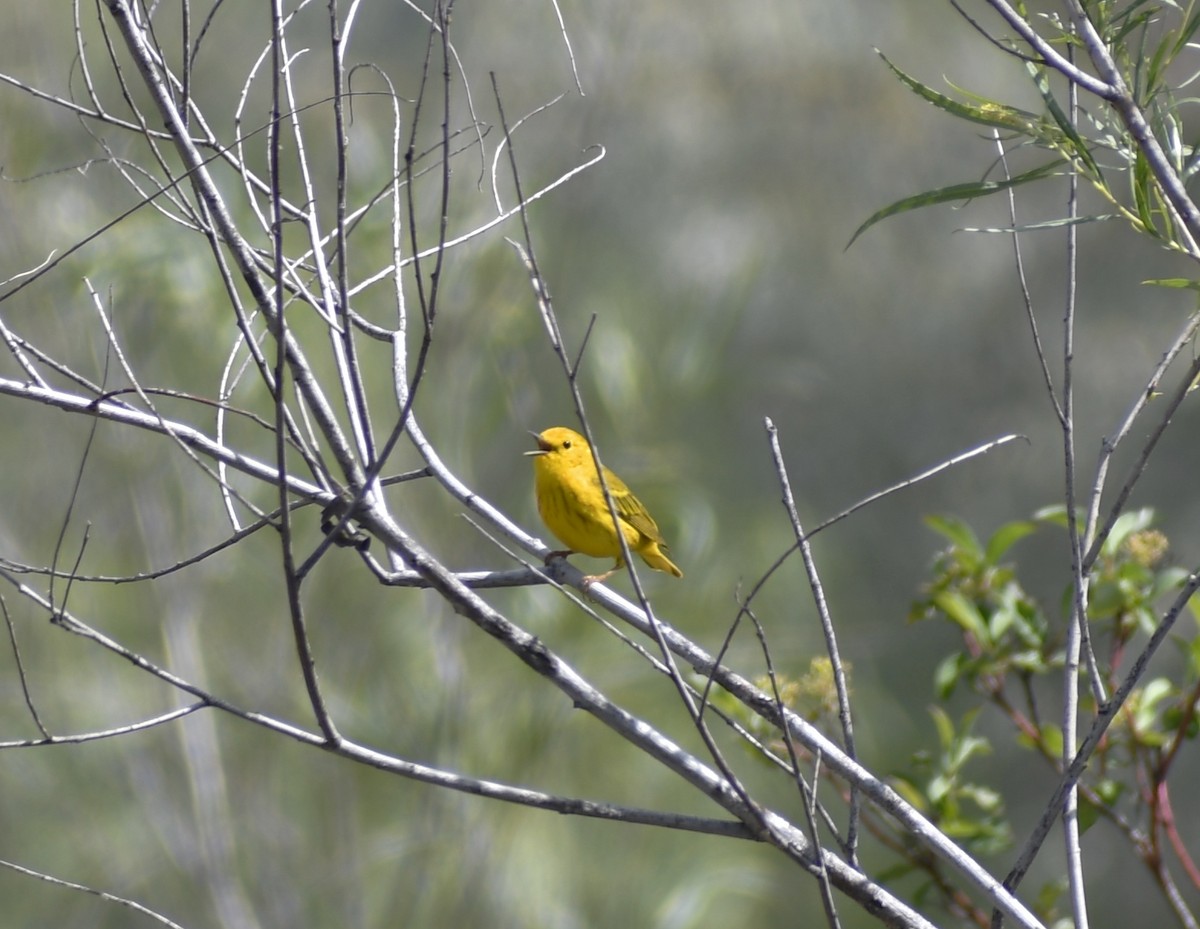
point(567, 444)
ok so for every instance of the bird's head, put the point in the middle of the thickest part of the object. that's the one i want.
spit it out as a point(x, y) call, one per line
point(560, 442)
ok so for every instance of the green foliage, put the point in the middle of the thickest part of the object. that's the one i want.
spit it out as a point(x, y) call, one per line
point(1096, 146)
point(1003, 629)
point(1010, 643)
point(971, 813)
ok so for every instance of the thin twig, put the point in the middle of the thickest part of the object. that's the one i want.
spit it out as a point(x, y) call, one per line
point(103, 895)
point(304, 651)
point(827, 630)
point(29, 703)
point(1077, 640)
point(116, 732)
point(1023, 281)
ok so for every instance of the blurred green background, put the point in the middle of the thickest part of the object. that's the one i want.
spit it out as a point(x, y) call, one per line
point(743, 148)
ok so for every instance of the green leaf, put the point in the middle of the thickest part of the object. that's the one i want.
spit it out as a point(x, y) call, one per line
point(963, 612)
point(1108, 790)
point(1192, 649)
point(967, 748)
point(1184, 36)
point(958, 532)
point(1167, 580)
point(947, 675)
point(1030, 661)
point(985, 798)
point(1046, 224)
point(1145, 722)
point(910, 792)
point(944, 726)
point(1158, 60)
point(1003, 619)
point(1005, 537)
point(1049, 895)
point(1056, 515)
point(1088, 814)
point(1126, 525)
point(1179, 283)
point(1078, 147)
point(965, 191)
point(1052, 739)
point(939, 789)
point(987, 112)
point(1144, 192)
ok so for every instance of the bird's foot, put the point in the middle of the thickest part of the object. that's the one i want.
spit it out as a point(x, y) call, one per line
point(591, 579)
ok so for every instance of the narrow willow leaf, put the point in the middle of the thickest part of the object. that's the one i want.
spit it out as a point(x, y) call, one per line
point(1143, 180)
point(987, 112)
point(1078, 147)
point(1163, 53)
point(1141, 20)
point(1048, 224)
point(967, 191)
point(1177, 283)
point(1185, 34)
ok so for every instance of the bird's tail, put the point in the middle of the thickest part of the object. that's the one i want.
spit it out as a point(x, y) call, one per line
point(656, 556)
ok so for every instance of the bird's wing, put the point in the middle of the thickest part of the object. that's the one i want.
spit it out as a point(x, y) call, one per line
point(630, 508)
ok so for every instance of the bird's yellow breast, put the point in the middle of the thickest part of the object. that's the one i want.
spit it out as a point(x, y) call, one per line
point(572, 504)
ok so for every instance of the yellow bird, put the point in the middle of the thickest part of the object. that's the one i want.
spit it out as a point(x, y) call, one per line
point(572, 504)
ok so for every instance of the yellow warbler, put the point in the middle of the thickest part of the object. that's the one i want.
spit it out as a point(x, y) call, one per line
point(572, 504)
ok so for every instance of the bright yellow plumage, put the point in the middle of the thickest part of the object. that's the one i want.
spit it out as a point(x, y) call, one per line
point(571, 501)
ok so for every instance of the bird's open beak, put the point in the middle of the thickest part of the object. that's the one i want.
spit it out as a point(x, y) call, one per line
point(542, 448)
